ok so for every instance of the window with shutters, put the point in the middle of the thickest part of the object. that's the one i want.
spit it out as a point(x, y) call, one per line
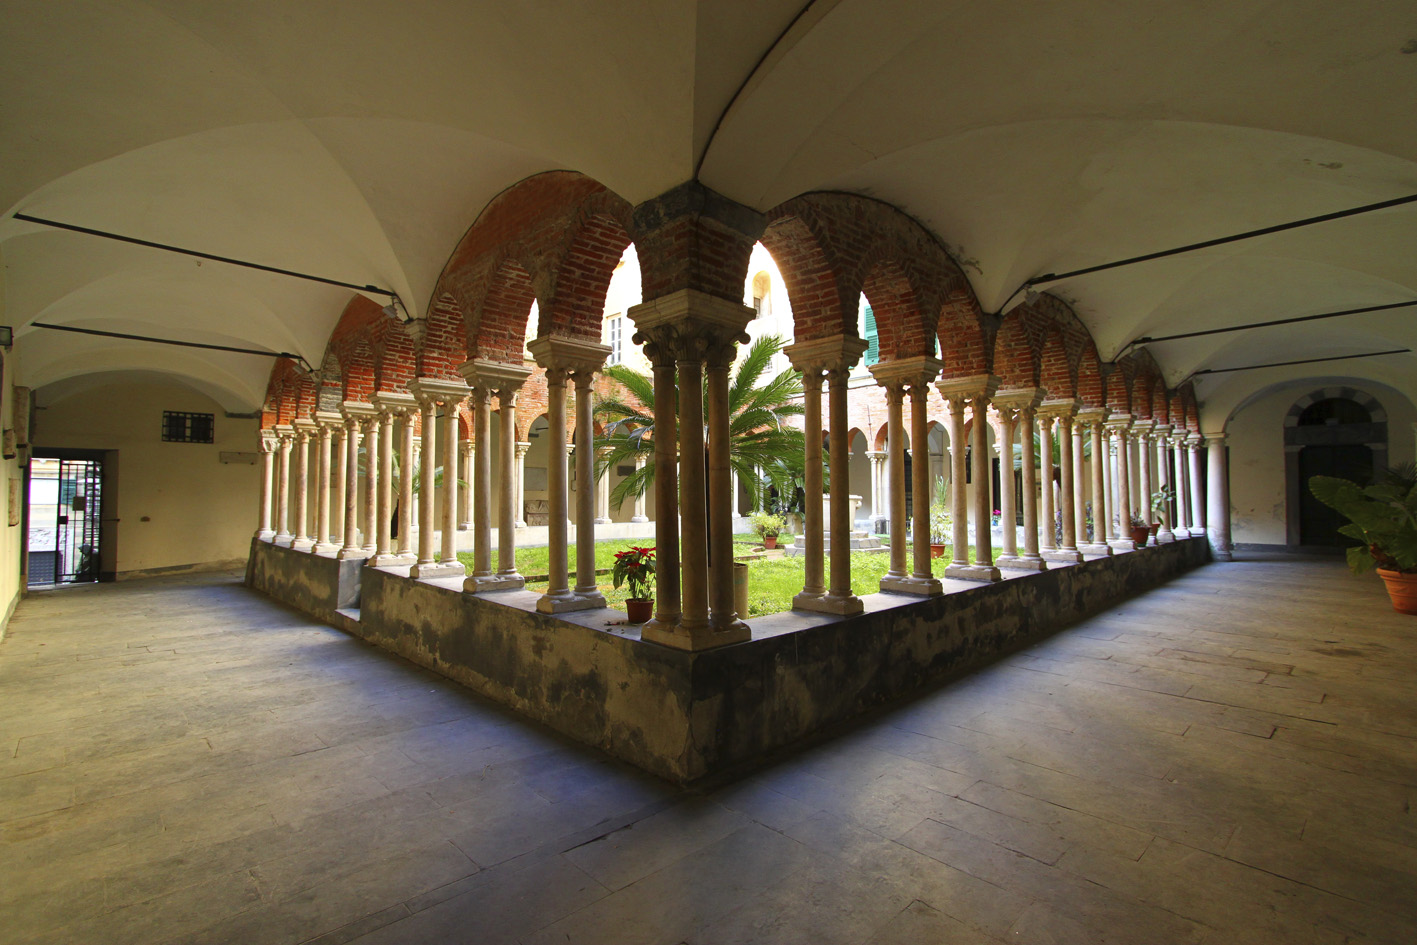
point(873, 343)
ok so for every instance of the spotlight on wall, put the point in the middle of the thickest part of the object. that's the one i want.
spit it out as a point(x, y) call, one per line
point(397, 312)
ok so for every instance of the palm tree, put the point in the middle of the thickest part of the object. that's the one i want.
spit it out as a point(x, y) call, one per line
point(762, 443)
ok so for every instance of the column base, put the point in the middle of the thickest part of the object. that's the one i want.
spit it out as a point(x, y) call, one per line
point(603, 521)
point(325, 548)
point(302, 544)
point(481, 583)
point(1003, 559)
point(351, 554)
point(1123, 544)
point(702, 637)
point(973, 572)
point(1164, 536)
point(1181, 532)
point(591, 594)
point(519, 524)
point(828, 604)
point(1063, 556)
point(920, 587)
point(283, 540)
point(437, 570)
point(390, 561)
point(806, 600)
point(1095, 548)
point(639, 519)
point(1021, 564)
point(566, 602)
point(266, 535)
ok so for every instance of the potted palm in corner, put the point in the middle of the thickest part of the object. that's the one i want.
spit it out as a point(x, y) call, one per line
point(768, 527)
point(636, 568)
point(1383, 517)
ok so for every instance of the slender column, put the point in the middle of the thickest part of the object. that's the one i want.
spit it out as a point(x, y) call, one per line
point(667, 606)
point(1047, 538)
point(519, 509)
point(983, 509)
point(602, 494)
point(1089, 425)
point(897, 578)
point(322, 544)
point(839, 595)
point(1081, 499)
point(465, 494)
point(389, 406)
point(1144, 490)
point(692, 496)
point(1101, 514)
point(449, 556)
point(1069, 451)
point(1217, 525)
point(959, 492)
point(1179, 479)
point(301, 487)
point(586, 588)
point(814, 584)
point(407, 472)
point(558, 589)
point(1193, 447)
point(508, 577)
point(383, 546)
point(1121, 506)
point(337, 484)
point(267, 446)
point(1031, 556)
point(639, 515)
point(878, 490)
point(351, 547)
point(724, 613)
point(370, 427)
point(1109, 483)
point(1008, 545)
point(481, 474)
point(1164, 533)
point(426, 508)
point(286, 434)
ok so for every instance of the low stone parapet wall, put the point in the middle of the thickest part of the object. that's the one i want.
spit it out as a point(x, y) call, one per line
point(686, 715)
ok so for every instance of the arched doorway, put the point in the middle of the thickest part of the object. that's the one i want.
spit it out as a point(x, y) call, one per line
point(1336, 431)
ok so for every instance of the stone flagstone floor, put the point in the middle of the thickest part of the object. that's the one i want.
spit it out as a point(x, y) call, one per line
point(1229, 759)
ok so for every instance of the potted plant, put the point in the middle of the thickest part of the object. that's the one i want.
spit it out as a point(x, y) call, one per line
point(941, 526)
point(1140, 530)
point(636, 568)
point(1383, 517)
point(768, 527)
point(1160, 503)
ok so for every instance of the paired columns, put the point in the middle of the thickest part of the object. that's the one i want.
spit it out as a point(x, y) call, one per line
point(1193, 448)
point(329, 422)
point(485, 379)
point(834, 357)
point(1143, 429)
point(268, 444)
point(976, 391)
point(301, 540)
point(1121, 517)
point(566, 360)
point(1162, 454)
point(879, 493)
point(686, 333)
point(1092, 421)
point(1016, 409)
point(897, 377)
point(433, 394)
point(639, 515)
point(1218, 496)
point(1069, 461)
point(285, 436)
point(392, 406)
point(356, 416)
point(1181, 479)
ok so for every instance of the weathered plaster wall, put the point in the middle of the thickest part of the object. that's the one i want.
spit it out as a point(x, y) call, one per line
point(683, 715)
point(1256, 442)
point(11, 536)
point(178, 504)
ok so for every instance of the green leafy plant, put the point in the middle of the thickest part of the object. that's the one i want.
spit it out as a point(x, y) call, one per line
point(1382, 516)
point(766, 524)
point(1161, 501)
point(635, 567)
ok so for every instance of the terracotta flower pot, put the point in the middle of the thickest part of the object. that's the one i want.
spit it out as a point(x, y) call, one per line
point(1402, 588)
point(1140, 534)
point(769, 541)
point(639, 610)
point(937, 551)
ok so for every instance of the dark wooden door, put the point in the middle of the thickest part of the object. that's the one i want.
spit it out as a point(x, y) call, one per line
point(1319, 524)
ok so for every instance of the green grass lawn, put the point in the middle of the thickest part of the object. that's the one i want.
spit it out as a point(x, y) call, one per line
point(772, 582)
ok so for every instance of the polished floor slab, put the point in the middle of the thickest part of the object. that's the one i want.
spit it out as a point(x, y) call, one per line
point(1229, 759)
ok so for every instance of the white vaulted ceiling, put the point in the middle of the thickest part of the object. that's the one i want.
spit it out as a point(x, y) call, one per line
point(358, 141)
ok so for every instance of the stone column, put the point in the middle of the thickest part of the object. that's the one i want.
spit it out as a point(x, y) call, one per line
point(897, 576)
point(814, 582)
point(431, 394)
point(659, 347)
point(602, 490)
point(1017, 406)
point(267, 444)
point(509, 382)
point(879, 512)
point(328, 422)
point(1094, 419)
point(465, 462)
point(1163, 480)
point(486, 377)
point(370, 427)
point(337, 484)
point(976, 391)
point(896, 376)
point(391, 405)
point(639, 515)
point(1047, 538)
point(1081, 483)
point(835, 356)
point(519, 507)
point(408, 470)
point(566, 360)
point(1179, 478)
point(352, 411)
point(481, 475)
point(1121, 492)
point(1069, 448)
point(1193, 448)
point(300, 485)
point(587, 589)
point(697, 327)
point(1217, 525)
point(1143, 430)
point(285, 435)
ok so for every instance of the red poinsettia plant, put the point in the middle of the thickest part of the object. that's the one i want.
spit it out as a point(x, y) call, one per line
point(635, 567)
